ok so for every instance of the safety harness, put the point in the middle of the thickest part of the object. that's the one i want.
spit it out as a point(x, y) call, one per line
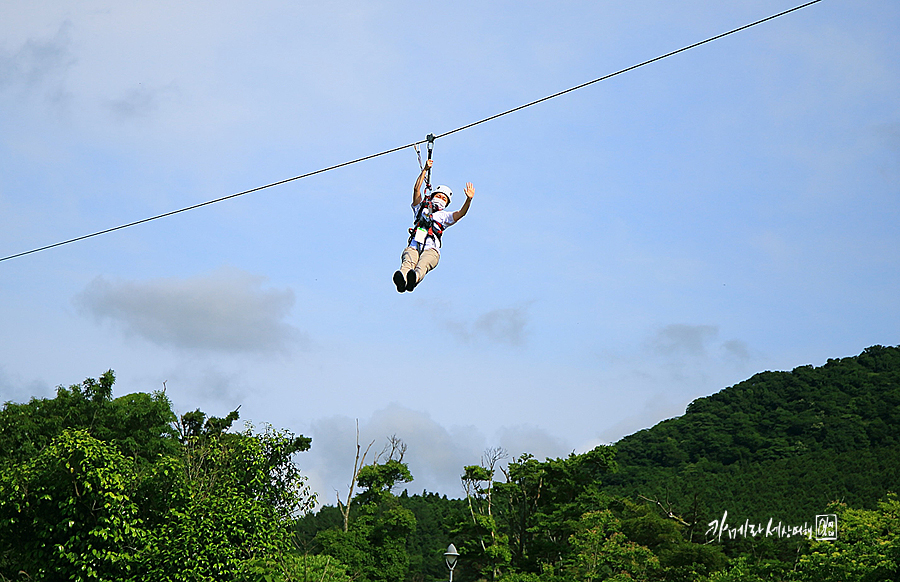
point(425, 226)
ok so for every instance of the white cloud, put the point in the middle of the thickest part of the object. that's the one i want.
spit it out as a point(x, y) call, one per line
point(225, 311)
point(682, 343)
point(673, 365)
point(37, 61)
point(531, 439)
point(209, 388)
point(655, 408)
point(140, 101)
point(503, 326)
point(14, 389)
point(683, 340)
point(737, 349)
point(435, 455)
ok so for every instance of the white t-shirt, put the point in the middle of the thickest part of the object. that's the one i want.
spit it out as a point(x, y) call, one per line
point(444, 217)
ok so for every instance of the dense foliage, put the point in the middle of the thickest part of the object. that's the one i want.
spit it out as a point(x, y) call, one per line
point(780, 443)
point(97, 488)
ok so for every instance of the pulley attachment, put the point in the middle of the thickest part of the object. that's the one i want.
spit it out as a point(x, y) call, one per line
point(425, 225)
point(430, 139)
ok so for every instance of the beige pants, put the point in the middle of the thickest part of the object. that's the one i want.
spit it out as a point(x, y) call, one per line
point(422, 263)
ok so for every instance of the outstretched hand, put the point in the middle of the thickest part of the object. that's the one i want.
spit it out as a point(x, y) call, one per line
point(470, 192)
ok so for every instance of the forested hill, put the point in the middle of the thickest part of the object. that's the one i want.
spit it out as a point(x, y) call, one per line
point(100, 488)
point(782, 443)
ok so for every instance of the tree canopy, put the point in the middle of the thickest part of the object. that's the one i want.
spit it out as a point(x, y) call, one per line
point(94, 487)
point(782, 443)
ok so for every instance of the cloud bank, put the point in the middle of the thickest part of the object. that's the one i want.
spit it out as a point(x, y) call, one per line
point(224, 311)
point(436, 454)
point(502, 326)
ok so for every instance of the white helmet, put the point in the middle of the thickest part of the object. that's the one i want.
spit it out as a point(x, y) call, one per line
point(445, 190)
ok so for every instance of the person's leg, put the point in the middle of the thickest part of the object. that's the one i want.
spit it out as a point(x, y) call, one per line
point(427, 261)
point(409, 258)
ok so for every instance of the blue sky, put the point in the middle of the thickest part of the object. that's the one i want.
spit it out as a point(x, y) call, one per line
point(631, 246)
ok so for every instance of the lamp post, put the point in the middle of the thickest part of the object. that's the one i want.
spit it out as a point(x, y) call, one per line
point(450, 556)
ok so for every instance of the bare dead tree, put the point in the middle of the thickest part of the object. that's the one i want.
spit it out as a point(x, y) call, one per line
point(472, 480)
point(489, 460)
point(357, 465)
point(394, 447)
point(667, 509)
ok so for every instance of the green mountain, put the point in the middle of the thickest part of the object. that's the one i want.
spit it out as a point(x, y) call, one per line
point(123, 489)
point(780, 445)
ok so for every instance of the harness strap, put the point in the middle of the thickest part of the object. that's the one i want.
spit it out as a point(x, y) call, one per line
point(418, 155)
point(435, 229)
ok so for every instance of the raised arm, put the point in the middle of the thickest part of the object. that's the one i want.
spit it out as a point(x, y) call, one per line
point(470, 192)
point(417, 189)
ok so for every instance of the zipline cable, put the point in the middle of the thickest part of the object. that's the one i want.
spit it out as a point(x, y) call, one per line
point(414, 144)
point(207, 203)
point(631, 68)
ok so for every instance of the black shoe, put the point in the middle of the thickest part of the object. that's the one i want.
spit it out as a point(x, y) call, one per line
point(400, 282)
point(411, 280)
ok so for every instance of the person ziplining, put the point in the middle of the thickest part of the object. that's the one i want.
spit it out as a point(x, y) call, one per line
point(423, 249)
point(399, 275)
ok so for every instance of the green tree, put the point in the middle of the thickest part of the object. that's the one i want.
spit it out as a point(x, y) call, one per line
point(782, 443)
point(740, 570)
point(867, 547)
point(67, 512)
point(374, 546)
point(229, 503)
point(110, 489)
point(296, 567)
point(139, 425)
point(600, 551)
point(490, 546)
point(542, 502)
point(437, 518)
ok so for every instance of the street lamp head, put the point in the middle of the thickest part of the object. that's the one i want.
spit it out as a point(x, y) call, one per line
point(451, 556)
